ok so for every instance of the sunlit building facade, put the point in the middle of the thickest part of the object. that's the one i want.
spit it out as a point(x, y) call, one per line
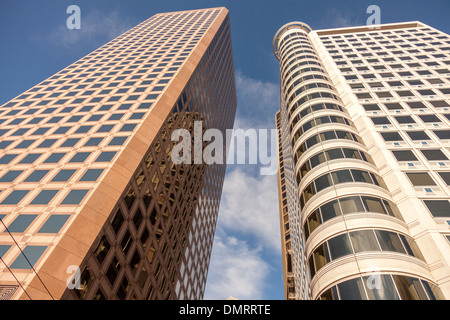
point(91, 204)
point(364, 161)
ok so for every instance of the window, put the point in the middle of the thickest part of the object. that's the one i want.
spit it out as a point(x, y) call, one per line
point(54, 158)
point(44, 197)
point(438, 208)
point(64, 175)
point(418, 135)
point(32, 254)
point(36, 176)
point(434, 155)
point(442, 134)
point(404, 155)
point(445, 176)
point(105, 156)
point(404, 119)
point(54, 223)
point(15, 197)
point(391, 136)
point(22, 222)
point(91, 175)
point(429, 118)
point(420, 179)
point(10, 176)
point(380, 120)
point(74, 197)
point(80, 157)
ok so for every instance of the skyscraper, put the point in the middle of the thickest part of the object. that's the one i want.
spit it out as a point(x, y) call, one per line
point(91, 204)
point(364, 169)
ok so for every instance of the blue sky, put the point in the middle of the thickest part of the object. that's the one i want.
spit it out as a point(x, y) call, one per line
point(246, 258)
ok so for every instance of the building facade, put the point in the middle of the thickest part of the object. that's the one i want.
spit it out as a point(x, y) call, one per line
point(91, 204)
point(364, 169)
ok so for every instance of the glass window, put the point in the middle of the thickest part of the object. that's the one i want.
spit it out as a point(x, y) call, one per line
point(409, 288)
point(71, 142)
point(80, 157)
point(93, 142)
point(351, 153)
point(54, 158)
point(435, 155)
point(22, 222)
point(7, 158)
point(334, 154)
point(404, 119)
point(330, 210)
point(44, 197)
point(364, 240)
point(74, 197)
point(105, 156)
point(373, 205)
point(404, 155)
point(15, 197)
point(391, 136)
point(438, 208)
point(64, 175)
point(341, 176)
point(418, 135)
point(352, 290)
point(339, 246)
point(313, 222)
point(351, 205)
point(36, 176)
point(91, 175)
point(32, 254)
point(442, 134)
point(445, 176)
point(323, 182)
point(361, 176)
point(10, 176)
point(420, 179)
point(380, 287)
point(4, 249)
point(54, 223)
point(389, 241)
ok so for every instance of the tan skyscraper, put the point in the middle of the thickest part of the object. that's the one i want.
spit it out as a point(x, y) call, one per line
point(364, 161)
point(89, 192)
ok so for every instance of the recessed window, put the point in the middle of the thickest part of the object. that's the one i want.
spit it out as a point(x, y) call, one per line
point(404, 155)
point(434, 155)
point(44, 197)
point(28, 258)
point(80, 157)
point(380, 120)
point(54, 158)
point(4, 249)
point(393, 106)
point(71, 142)
point(391, 136)
point(10, 176)
point(64, 175)
point(418, 135)
point(438, 208)
point(128, 127)
point(93, 142)
point(74, 197)
point(118, 141)
point(106, 156)
point(36, 176)
point(15, 197)
point(404, 119)
point(445, 176)
point(91, 175)
point(47, 143)
point(54, 223)
point(442, 134)
point(420, 179)
point(7, 158)
point(22, 222)
point(429, 118)
point(106, 128)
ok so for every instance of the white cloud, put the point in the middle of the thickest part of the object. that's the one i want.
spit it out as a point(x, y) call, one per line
point(236, 270)
point(258, 101)
point(249, 206)
point(97, 27)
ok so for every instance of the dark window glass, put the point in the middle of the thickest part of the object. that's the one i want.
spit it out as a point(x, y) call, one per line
point(391, 136)
point(339, 246)
point(10, 176)
point(63, 175)
point(22, 222)
point(364, 240)
point(36, 176)
point(442, 134)
point(420, 179)
point(434, 155)
point(54, 223)
point(91, 175)
point(352, 290)
point(389, 241)
point(418, 135)
point(15, 197)
point(438, 208)
point(44, 197)
point(74, 197)
point(32, 254)
point(404, 155)
point(445, 176)
point(330, 210)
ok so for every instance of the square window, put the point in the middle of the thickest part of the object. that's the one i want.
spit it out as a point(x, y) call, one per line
point(93, 142)
point(44, 197)
point(106, 156)
point(438, 208)
point(434, 155)
point(446, 177)
point(54, 158)
point(62, 130)
point(106, 128)
point(418, 135)
point(64, 175)
point(22, 222)
point(91, 175)
point(74, 197)
point(54, 223)
point(32, 254)
point(36, 176)
point(10, 176)
point(15, 197)
point(128, 127)
point(420, 179)
point(7, 158)
point(404, 155)
point(30, 158)
point(80, 157)
point(47, 143)
point(118, 141)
